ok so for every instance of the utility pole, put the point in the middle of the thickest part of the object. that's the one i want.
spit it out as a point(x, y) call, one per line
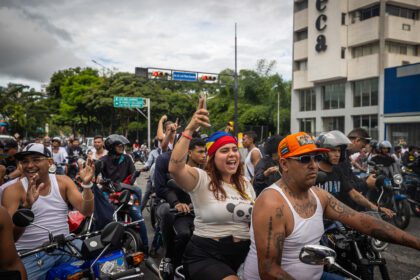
point(235, 121)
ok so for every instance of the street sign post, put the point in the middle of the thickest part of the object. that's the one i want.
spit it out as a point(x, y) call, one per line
point(137, 103)
point(128, 102)
point(184, 76)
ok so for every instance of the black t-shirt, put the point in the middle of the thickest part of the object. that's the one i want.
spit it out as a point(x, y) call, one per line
point(117, 168)
point(336, 185)
point(75, 151)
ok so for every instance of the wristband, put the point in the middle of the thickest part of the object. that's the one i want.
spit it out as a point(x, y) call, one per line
point(87, 186)
point(186, 135)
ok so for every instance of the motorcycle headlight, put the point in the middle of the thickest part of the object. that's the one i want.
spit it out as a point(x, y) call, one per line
point(398, 179)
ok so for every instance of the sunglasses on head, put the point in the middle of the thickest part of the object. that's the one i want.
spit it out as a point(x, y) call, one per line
point(307, 158)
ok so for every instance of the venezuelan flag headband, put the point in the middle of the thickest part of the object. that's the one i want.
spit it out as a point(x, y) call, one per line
point(217, 140)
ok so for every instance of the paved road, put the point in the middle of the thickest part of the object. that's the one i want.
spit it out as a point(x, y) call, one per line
point(403, 263)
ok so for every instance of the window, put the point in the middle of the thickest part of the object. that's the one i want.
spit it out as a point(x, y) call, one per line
point(401, 12)
point(369, 12)
point(368, 122)
point(365, 93)
point(343, 53)
point(406, 27)
point(333, 123)
point(307, 125)
point(301, 35)
point(403, 49)
point(343, 19)
point(301, 5)
point(302, 65)
point(333, 96)
point(365, 50)
point(307, 100)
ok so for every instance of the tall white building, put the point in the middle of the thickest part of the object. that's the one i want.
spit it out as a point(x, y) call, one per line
point(341, 49)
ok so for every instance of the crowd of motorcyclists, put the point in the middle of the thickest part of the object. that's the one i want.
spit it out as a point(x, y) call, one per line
point(216, 215)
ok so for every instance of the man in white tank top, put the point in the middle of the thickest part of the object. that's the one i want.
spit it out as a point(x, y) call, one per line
point(288, 215)
point(47, 195)
point(254, 154)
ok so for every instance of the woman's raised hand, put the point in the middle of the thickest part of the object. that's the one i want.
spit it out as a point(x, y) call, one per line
point(200, 117)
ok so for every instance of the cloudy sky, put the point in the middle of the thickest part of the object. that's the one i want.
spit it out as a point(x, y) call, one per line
point(39, 37)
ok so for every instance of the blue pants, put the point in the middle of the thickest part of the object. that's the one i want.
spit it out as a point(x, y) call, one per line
point(332, 276)
point(38, 265)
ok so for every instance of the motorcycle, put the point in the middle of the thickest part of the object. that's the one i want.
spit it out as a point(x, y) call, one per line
point(412, 183)
point(357, 253)
point(102, 255)
point(391, 196)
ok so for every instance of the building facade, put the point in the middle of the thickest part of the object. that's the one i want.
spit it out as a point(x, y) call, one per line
point(341, 50)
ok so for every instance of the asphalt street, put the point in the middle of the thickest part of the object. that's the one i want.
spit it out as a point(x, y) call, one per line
point(403, 263)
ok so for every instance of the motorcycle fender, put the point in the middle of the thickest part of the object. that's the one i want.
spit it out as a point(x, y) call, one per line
point(400, 197)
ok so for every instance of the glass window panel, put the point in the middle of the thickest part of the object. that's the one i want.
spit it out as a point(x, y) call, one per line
point(356, 98)
point(313, 98)
point(374, 92)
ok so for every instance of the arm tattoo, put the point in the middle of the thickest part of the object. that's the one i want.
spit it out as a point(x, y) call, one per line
point(270, 233)
point(340, 208)
point(182, 160)
point(279, 212)
point(279, 246)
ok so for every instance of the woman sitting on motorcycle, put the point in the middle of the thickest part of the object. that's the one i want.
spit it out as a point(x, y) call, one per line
point(222, 199)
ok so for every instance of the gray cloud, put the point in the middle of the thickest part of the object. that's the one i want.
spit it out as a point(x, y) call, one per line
point(44, 36)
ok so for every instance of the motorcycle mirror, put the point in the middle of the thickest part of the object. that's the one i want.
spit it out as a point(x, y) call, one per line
point(23, 217)
point(112, 234)
point(317, 255)
point(320, 177)
point(379, 181)
point(124, 197)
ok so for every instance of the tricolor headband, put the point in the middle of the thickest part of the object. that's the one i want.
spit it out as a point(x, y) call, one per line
point(217, 140)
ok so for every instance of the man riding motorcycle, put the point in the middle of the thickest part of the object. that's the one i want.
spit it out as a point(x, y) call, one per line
point(335, 182)
point(119, 168)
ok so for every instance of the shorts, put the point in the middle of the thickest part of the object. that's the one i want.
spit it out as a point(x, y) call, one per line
point(208, 259)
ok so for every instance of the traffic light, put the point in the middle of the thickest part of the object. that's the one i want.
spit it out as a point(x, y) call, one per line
point(208, 78)
point(158, 74)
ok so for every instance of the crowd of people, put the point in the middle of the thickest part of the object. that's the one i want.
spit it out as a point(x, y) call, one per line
point(251, 214)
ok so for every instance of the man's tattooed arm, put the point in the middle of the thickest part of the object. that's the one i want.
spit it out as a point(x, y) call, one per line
point(269, 222)
point(366, 224)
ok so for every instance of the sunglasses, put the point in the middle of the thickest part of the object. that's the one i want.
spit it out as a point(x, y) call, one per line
point(307, 158)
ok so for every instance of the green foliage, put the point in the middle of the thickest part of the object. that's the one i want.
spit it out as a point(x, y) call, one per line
point(80, 100)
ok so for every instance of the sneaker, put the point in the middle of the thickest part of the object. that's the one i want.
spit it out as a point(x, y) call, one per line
point(166, 269)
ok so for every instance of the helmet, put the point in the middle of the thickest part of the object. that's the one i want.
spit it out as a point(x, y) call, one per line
point(9, 143)
point(373, 144)
point(385, 145)
point(113, 140)
point(332, 139)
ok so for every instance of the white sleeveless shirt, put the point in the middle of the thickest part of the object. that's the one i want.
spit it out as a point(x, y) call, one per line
point(50, 212)
point(305, 232)
point(249, 167)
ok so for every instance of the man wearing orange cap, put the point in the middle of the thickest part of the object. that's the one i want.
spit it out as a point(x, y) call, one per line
point(289, 214)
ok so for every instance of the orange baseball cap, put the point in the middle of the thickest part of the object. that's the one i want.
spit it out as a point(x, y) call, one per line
point(298, 144)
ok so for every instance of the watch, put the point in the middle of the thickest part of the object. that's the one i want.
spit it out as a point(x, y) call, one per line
point(6, 177)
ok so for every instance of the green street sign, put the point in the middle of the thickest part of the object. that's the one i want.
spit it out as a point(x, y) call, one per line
point(128, 102)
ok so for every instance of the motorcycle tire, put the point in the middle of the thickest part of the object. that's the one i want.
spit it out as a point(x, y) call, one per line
point(366, 272)
point(384, 272)
point(131, 241)
point(403, 213)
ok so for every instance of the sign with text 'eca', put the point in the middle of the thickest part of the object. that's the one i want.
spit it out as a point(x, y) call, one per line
point(128, 102)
